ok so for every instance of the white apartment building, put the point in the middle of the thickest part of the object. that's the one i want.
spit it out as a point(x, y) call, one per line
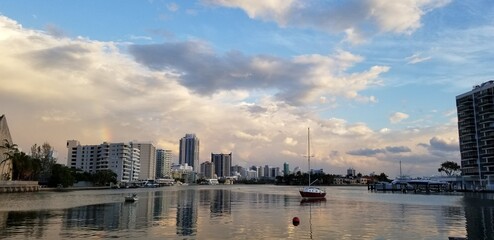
point(163, 163)
point(121, 158)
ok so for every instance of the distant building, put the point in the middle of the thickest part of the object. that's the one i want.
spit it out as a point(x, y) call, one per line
point(189, 151)
point(163, 163)
point(251, 174)
point(5, 138)
point(185, 172)
point(147, 160)
point(222, 164)
point(121, 158)
point(274, 172)
point(350, 172)
point(260, 172)
point(286, 169)
point(267, 172)
point(475, 111)
point(207, 170)
point(238, 171)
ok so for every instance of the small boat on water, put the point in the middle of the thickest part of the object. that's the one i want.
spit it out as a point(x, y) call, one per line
point(311, 191)
point(131, 198)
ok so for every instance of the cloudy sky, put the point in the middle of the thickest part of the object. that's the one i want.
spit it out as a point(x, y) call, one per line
point(374, 80)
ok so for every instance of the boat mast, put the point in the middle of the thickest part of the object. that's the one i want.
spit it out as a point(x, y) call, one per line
point(400, 171)
point(308, 151)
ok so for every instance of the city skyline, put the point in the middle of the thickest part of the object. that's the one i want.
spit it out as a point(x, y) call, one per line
point(374, 80)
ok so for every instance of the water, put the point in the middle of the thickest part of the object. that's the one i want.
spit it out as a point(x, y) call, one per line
point(244, 212)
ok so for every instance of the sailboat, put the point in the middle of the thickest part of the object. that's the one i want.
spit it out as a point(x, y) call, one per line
point(311, 192)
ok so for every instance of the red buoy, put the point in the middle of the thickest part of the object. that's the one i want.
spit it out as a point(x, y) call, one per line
point(295, 221)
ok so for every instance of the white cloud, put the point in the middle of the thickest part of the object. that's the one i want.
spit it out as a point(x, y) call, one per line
point(398, 117)
point(57, 88)
point(172, 7)
point(290, 141)
point(350, 17)
point(416, 58)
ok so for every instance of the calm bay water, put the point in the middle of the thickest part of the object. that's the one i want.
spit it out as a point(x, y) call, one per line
point(244, 212)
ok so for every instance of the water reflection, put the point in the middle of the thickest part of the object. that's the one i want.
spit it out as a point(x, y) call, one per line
point(187, 205)
point(479, 214)
point(241, 212)
point(316, 202)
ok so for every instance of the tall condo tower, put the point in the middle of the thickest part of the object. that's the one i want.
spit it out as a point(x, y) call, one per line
point(476, 131)
point(222, 164)
point(189, 151)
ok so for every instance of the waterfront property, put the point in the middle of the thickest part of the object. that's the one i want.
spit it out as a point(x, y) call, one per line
point(405, 184)
point(476, 132)
point(122, 158)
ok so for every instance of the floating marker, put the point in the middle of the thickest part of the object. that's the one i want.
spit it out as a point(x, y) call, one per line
point(295, 221)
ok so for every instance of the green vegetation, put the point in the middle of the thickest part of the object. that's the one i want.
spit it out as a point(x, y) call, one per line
point(43, 167)
point(449, 167)
point(320, 178)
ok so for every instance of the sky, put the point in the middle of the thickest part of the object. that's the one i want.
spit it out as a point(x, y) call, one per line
point(374, 80)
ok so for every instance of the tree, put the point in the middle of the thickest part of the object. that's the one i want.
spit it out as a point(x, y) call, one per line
point(382, 177)
point(60, 175)
point(45, 154)
point(9, 149)
point(104, 177)
point(449, 168)
point(25, 167)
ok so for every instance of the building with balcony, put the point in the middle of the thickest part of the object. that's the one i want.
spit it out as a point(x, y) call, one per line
point(163, 163)
point(121, 158)
point(475, 111)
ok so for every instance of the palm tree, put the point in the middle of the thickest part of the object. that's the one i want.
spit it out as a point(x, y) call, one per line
point(9, 149)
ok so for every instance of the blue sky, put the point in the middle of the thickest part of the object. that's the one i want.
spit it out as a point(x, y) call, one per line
point(375, 80)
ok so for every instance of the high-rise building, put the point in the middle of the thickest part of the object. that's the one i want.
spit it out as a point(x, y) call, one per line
point(350, 172)
point(222, 164)
point(286, 169)
point(476, 133)
point(148, 160)
point(189, 151)
point(163, 163)
point(207, 170)
point(121, 158)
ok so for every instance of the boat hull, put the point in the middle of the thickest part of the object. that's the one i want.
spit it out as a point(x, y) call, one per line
point(312, 195)
point(312, 192)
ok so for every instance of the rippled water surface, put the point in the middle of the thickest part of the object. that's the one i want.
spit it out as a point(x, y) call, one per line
point(244, 212)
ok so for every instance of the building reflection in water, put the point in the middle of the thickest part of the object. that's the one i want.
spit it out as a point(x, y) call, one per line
point(187, 212)
point(479, 214)
point(178, 212)
point(220, 203)
point(94, 217)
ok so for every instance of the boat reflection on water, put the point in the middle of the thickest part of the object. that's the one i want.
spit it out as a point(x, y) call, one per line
point(312, 202)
